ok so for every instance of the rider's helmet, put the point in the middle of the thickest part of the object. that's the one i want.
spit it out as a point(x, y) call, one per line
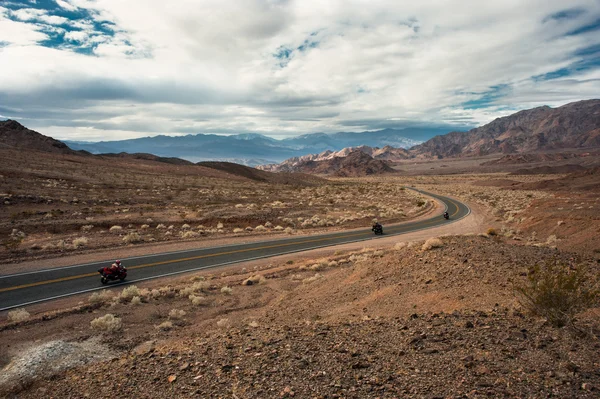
point(118, 262)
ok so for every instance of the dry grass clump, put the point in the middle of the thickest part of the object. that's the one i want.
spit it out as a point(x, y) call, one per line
point(432, 243)
point(116, 229)
point(312, 279)
point(400, 246)
point(288, 230)
point(226, 290)
point(108, 323)
point(136, 300)
point(176, 314)
point(492, 232)
point(260, 227)
point(100, 297)
point(129, 292)
point(237, 230)
point(258, 279)
point(132, 238)
point(87, 227)
point(189, 234)
point(198, 300)
point(558, 292)
point(165, 326)
point(223, 323)
point(278, 228)
point(80, 242)
point(18, 315)
point(296, 277)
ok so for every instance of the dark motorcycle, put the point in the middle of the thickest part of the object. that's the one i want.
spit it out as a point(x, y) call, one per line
point(446, 216)
point(110, 275)
point(377, 229)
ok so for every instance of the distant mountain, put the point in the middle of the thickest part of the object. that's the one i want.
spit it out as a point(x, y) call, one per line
point(574, 125)
point(296, 164)
point(15, 135)
point(255, 149)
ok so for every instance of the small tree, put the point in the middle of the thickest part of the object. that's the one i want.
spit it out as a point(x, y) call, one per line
point(558, 292)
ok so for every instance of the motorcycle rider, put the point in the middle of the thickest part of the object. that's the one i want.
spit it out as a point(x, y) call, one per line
point(115, 267)
point(446, 215)
point(376, 225)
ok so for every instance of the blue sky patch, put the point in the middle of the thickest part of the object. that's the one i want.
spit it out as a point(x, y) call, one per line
point(565, 14)
point(487, 98)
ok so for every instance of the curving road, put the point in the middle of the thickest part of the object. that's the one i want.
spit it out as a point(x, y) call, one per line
point(28, 288)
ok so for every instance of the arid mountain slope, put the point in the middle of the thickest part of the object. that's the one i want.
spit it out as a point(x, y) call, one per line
point(14, 135)
point(356, 163)
point(575, 125)
point(386, 153)
point(263, 176)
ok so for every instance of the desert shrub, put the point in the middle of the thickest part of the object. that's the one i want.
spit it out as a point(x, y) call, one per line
point(278, 228)
point(226, 290)
point(432, 243)
point(223, 323)
point(18, 315)
point(258, 279)
point(296, 277)
point(108, 322)
point(557, 292)
point(116, 229)
point(268, 225)
point(80, 242)
point(289, 230)
point(197, 300)
point(237, 230)
point(100, 297)
point(131, 238)
point(166, 326)
point(399, 246)
point(161, 227)
point(260, 227)
point(492, 232)
point(312, 279)
point(551, 240)
point(176, 314)
point(144, 226)
point(129, 292)
point(87, 227)
point(136, 300)
point(189, 234)
point(185, 227)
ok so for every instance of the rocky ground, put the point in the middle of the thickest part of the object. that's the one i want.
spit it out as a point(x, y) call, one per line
point(414, 320)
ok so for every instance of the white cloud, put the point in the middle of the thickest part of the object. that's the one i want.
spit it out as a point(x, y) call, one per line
point(66, 5)
point(210, 65)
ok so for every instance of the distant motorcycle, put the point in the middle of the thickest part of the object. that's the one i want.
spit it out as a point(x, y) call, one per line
point(377, 229)
point(446, 216)
point(109, 275)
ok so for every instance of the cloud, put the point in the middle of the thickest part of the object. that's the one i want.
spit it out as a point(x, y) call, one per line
point(290, 67)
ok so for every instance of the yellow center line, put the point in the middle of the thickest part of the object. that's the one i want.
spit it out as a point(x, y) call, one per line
point(58, 280)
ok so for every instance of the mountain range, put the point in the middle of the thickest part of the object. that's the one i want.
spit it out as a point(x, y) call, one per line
point(572, 126)
point(256, 149)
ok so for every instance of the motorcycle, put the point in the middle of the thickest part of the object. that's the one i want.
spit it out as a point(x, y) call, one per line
point(377, 229)
point(109, 275)
point(446, 216)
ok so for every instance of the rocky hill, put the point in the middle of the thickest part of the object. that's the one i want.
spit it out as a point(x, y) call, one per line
point(13, 135)
point(356, 163)
point(294, 164)
point(574, 125)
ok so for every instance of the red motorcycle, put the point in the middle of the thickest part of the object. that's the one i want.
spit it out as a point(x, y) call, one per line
point(108, 274)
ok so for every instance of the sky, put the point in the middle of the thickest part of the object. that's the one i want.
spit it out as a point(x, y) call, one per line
point(115, 69)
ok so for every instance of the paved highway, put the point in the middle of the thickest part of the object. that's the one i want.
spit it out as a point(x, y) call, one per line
point(43, 285)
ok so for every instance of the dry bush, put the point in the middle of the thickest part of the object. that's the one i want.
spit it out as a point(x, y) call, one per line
point(87, 227)
point(100, 297)
point(432, 243)
point(116, 229)
point(278, 228)
point(131, 238)
point(18, 315)
point(399, 246)
point(558, 292)
point(165, 326)
point(296, 277)
point(226, 290)
point(144, 226)
point(260, 227)
point(136, 300)
point(551, 240)
point(129, 292)
point(312, 279)
point(189, 234)
point(288, 230)
point(197, 278)
point(223, 323)
point(492, 232)
point(198, 300)
point(108, 322)
point(237, 230)
point(176, 314)
point(161, 227)
point(258, 279)
point(80, 242)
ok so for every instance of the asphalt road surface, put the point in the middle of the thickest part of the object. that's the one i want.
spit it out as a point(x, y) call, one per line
point(28, 288)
